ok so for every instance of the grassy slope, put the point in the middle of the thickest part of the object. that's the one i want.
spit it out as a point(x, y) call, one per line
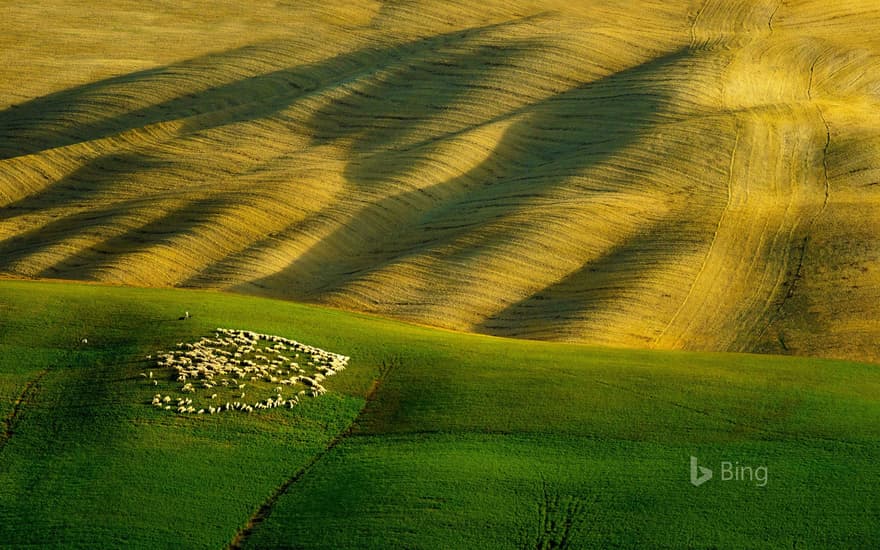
point(690, 174)
point(501, 444)
point(90, 463)
point(468, 440)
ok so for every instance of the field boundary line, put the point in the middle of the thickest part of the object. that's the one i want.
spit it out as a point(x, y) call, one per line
point(711, 247)
point(798, 272)
point(265, 510)
point(26, 396)
point(558, 519)
point(694, 24)
point(773, 16)
point(717, 415)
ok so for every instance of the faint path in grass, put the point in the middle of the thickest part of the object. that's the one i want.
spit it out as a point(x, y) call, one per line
point(754, 427)
point(799, 269)
point(265, 509)
point(773, 15)
point(559, 519)
point(27, 395)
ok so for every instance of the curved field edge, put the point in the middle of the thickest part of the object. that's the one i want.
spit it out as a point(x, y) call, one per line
point(469, 439)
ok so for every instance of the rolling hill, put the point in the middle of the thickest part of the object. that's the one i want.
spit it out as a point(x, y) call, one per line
point(429, 439)
point(695, 175)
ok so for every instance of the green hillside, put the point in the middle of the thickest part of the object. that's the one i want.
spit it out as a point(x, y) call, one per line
point(428, 439)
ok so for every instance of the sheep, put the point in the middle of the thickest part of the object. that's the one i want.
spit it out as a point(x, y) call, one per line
point(204, 365)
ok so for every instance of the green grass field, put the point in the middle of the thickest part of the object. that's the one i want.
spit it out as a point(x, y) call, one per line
point(430, 439)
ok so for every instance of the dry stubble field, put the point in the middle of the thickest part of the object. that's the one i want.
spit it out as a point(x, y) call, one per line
point(680, 175)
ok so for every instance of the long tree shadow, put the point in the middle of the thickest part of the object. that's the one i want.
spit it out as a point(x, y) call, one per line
point(569, 306)
point(19, 247)
point(399, 108)
point(93, 180)
point(91, 112)
point(90, 398)
point(87, 263)
point(549, 141)
point(420, 101)
point(201, 90)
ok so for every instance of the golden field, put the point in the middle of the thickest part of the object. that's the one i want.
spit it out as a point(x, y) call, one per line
point(698, 175)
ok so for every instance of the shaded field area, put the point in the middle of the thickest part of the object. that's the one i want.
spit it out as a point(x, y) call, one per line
point(697, 174)
point(428, 439)
point(88, 461)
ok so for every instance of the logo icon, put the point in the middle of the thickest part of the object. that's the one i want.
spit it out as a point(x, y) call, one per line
point(699, 474)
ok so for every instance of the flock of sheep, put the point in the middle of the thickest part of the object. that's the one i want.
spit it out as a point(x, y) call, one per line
point(237, 364)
